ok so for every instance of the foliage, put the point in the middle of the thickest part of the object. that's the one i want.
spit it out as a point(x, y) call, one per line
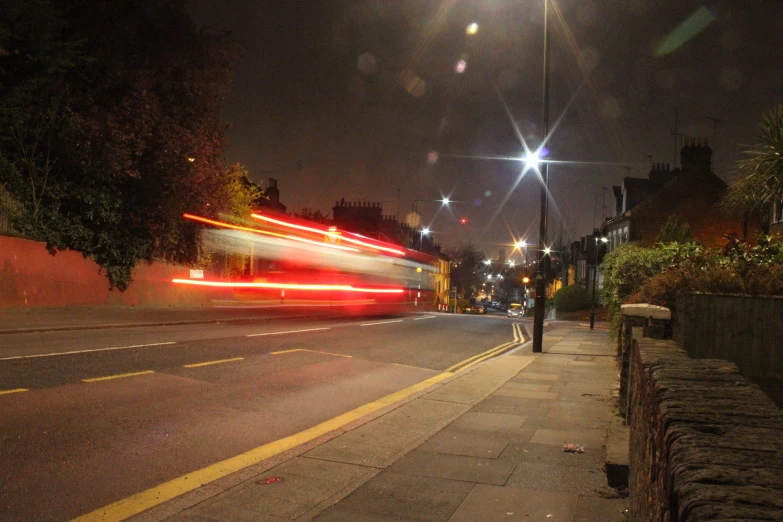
point(112, 128)
point(656, 275)
point(241, 193)
point(314, 215)
point(626, 269)
point(761, 170)
point(466, 261)
point(674, 232)
point(572, 299)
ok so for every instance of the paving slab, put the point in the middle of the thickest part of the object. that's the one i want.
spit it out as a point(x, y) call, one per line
point(408, 496)
point(512, 406)
point(528, 394)
point(593, 509)
point(489, 421)
point(468, 469)
point(546, 477)
point(515, 504)
point(338, 514)
point(294, 487)
point(525, 386)
point(589, 438)
point(531, 376)
point(455, 441)
point(579, 409)
point(545, 454)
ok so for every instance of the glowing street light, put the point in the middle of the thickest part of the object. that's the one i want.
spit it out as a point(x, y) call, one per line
point(472, 28)
point(445, 201)
point(424, 232)
point(487, 262)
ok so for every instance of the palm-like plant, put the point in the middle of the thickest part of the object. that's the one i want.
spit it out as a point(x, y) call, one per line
point(760, 184)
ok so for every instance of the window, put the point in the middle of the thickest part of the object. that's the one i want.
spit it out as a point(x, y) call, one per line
point(777, 212)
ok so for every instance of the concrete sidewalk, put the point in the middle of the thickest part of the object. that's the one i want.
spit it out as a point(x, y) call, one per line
point(485, 445)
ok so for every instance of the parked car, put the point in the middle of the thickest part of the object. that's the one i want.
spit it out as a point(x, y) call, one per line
point(516, 310)
point(469, 309)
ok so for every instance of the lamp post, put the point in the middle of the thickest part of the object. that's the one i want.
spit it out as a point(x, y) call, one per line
point(422, 233)
point(538, 320)
point(595, 269)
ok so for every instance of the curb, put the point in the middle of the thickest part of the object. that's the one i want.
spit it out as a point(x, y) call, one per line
point(109, 326)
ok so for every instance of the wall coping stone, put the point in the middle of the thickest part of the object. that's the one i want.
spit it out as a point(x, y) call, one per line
point(647, 311)
point(705, 443)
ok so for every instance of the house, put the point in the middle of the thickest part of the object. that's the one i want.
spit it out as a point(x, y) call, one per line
point(776, 223)
point(270, 197)
point(690, 193)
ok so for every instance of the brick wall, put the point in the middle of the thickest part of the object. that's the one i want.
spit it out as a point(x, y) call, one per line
point(31, 277)
point(705, 443)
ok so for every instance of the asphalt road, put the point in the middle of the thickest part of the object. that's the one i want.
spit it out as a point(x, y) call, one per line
point(107, 413)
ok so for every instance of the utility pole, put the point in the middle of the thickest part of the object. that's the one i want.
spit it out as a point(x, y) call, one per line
point(538, 319)
point(398, 204)
point(675, 134)
point(715, 123)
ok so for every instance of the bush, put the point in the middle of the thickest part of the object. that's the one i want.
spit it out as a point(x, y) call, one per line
point(741, 268)
point(572, 299)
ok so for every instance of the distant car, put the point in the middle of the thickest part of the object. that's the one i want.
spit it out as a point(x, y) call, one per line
point(481, 309)
point(516, 310)
point(469, 310)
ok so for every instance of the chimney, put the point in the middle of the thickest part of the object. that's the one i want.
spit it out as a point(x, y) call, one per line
point(272, 191)
point(696, 155)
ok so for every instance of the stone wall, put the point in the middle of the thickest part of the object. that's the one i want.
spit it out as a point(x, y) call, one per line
point(746, 330)
point(705, 443)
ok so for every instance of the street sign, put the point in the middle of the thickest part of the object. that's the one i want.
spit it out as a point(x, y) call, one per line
point(197, 274)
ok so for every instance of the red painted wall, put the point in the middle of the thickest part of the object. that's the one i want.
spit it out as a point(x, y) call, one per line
point(31, 277)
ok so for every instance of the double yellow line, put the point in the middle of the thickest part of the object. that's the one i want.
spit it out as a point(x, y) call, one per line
point(135, 504)
point(492, 352)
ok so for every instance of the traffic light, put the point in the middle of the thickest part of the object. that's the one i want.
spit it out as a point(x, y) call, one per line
point(463, 221)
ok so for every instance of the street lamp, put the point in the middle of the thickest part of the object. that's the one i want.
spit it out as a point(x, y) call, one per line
point(538, 320)
point(595, 269)
point(424, 232)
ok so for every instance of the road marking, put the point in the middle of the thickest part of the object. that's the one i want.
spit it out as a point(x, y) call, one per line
point(422, 318)
point(86, 351)
point(288, 332)
point(383, 322)
point(306, 350)
point(500, 349)
point(196, 365)
point(118, 376)
point(488, 352)
point(17, 390)
point(130, 506)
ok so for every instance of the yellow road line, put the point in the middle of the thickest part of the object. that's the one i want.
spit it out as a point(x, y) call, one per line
point(157, 495)
point(488, 356)
point(118, 376)
point(491, 350)
point(16, 390)
point(208, 363)
point(312, 351)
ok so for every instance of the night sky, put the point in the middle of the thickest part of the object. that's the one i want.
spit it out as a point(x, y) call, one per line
point(348, 99)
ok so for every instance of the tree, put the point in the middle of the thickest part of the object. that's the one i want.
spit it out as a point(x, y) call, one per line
point(314, 215)
point(761, 170)
point(466, 263)
point(113, 131)
point(674, 231)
